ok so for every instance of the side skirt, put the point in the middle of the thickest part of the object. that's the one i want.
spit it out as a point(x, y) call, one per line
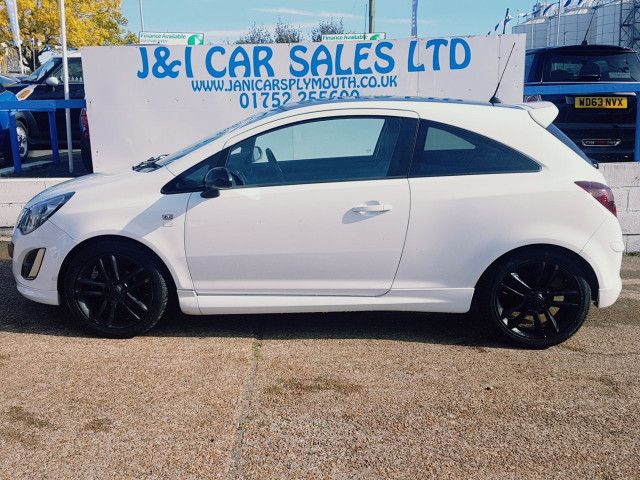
point(450, 300)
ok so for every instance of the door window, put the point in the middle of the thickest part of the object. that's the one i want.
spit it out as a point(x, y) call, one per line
point(445, 150)
point(75, 71)
point(329, 150)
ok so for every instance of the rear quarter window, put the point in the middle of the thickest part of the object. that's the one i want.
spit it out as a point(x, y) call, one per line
point(445, 150)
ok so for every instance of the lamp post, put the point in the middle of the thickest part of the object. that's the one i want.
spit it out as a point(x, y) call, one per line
point(65, 80)
point(558, 26)
point(141, 16)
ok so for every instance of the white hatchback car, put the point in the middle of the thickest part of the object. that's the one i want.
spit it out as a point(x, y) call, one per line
point(378, 204)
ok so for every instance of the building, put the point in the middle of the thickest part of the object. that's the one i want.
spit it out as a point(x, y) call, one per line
point(605, 22)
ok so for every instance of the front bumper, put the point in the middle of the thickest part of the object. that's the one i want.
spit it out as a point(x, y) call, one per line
point(43, 288)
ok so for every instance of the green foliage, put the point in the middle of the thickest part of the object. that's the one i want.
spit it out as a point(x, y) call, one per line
point(89, 22)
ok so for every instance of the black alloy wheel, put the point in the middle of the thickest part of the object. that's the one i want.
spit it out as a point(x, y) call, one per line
point(539, 301)
point(117, 290)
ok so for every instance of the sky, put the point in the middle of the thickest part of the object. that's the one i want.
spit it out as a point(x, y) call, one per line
point(227, 20)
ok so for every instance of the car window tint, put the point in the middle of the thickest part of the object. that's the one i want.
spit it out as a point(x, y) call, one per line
point(446, 150)
point(192, 180)
point(75, 71)
point(528, 63)
point(328, 150)
point(595, 67)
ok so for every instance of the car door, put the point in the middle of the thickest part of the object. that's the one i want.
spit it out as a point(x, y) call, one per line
point(321, 207)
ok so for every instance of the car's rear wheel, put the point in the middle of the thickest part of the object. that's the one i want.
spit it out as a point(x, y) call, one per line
point(536, 298)
point(116, 289)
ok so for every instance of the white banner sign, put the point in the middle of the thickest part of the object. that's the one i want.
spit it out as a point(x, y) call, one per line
point(172, 38)
point(341, 37)
point(157, 99)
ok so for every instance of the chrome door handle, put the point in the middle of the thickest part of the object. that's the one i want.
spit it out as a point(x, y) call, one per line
point(374, 208)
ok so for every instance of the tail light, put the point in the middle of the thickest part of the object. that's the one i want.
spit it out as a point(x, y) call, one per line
point(601, 193)
point(532, 98)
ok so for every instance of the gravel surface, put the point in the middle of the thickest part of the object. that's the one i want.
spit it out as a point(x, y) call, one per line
point(317, 396)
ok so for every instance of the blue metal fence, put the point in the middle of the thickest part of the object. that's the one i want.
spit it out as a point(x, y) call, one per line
point(590, 89)
point(48, 106)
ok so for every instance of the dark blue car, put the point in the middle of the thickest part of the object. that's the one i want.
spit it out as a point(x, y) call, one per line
point(5, 144)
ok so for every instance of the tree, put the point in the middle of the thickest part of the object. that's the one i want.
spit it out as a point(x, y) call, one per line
point(286, 33)
point(327, 27)
point(256, 34)
point(89, 22)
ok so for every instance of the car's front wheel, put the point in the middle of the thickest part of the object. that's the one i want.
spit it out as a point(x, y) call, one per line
point(536, 298)
point(115, 288)
point(23, 144)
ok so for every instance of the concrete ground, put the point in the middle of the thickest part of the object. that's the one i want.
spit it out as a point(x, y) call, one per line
point(317, 396)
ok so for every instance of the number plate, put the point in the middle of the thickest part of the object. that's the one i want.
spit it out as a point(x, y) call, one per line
point(601, 102)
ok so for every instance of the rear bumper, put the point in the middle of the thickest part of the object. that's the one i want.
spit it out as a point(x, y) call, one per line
point(609, 296)
point(604, 253)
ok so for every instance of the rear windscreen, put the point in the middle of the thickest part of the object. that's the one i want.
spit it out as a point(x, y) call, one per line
point(559, 134)
point(601, 67)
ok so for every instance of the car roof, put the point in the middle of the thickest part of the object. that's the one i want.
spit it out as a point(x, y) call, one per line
point(388, 100)
point(582, 49)
point(408, 103)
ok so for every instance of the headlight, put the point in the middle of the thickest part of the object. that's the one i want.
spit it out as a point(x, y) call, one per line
point(31, 218)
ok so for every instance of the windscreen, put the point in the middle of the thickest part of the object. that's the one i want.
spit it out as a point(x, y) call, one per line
point(42, 71)
point(205, 141)
point(596, 67)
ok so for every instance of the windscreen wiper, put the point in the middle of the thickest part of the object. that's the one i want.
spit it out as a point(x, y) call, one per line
point(151, 163)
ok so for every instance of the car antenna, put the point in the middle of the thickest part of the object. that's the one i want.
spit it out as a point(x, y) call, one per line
point(494, 99)
point(586, 34)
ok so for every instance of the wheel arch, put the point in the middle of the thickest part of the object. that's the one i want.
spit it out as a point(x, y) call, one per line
point(119, 238)
point(585, 266)
point(30, 122)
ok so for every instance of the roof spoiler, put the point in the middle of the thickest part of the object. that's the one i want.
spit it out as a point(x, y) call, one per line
point(543, 113)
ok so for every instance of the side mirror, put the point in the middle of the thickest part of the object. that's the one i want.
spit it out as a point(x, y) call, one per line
point(52, 81)
point(218, 178)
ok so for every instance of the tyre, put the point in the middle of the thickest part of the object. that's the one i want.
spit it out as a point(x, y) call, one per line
point(536, 298)
point(23, 140)
point(116, 289)
point(23, 144)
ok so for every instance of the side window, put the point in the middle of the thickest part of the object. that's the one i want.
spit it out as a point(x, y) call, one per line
point(528, 63)
point(328, 150)
point(75, 71)
point(192, 180)
point(444, 150)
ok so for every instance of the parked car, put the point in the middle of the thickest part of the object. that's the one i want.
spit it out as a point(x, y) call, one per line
point(6, 80)
point(603, 125)
point(45, 83)
point(5, 143)
point(397, 204)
